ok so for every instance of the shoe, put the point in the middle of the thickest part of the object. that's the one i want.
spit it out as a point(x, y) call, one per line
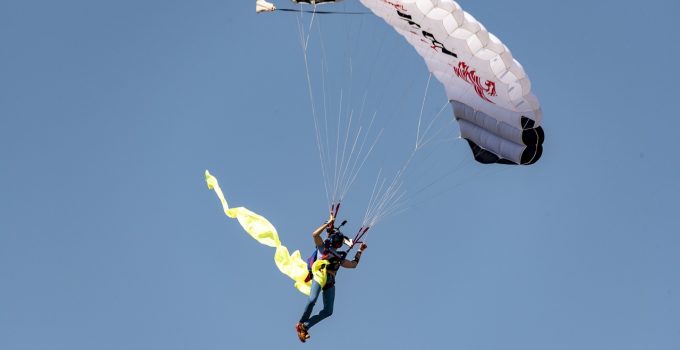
point(302, 332)
point(264, 6)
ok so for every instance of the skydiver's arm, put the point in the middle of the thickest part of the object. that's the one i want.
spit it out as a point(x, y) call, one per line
point(317, 233)
point(349, 264)
point(353, 264)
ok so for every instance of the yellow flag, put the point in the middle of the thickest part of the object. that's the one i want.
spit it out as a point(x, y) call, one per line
point(291, 265)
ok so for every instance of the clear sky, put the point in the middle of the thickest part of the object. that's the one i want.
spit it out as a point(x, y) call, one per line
point(110, 111)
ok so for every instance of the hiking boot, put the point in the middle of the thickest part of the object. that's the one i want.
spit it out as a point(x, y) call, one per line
point(302, 332)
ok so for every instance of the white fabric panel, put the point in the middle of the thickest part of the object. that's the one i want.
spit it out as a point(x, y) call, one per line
point(483, 62)
point(487, 122)
point(500, 146)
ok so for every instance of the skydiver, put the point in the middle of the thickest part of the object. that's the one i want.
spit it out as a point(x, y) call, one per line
point(328, 250)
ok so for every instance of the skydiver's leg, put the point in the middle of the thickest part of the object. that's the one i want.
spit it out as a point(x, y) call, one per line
point(313, 296)
point(327, 311)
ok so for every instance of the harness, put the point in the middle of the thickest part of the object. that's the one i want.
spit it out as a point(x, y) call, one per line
point(334, 259)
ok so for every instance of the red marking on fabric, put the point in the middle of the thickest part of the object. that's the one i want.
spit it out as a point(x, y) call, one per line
point(397, 6)
point(432, 46)
point(470, 76)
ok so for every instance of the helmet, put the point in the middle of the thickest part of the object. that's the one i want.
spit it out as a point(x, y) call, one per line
point(335, 240)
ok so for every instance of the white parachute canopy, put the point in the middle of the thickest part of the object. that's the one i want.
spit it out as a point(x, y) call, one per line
point(491, 94)
point(489, 91)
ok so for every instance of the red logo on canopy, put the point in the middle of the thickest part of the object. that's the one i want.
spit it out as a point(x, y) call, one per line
point(464, 72)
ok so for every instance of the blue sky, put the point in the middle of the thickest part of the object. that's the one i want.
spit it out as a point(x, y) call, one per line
point(109, 239)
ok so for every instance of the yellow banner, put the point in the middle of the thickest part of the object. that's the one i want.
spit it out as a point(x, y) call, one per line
point(258, 227)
